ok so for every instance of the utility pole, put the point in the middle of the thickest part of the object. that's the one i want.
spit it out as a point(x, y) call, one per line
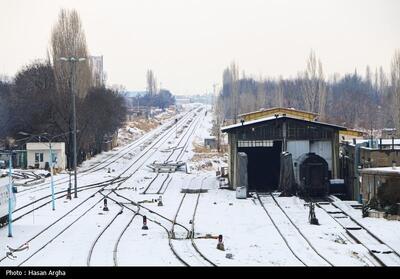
point(73, 61)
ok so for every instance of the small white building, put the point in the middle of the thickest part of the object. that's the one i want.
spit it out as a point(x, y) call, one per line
point(38, 154)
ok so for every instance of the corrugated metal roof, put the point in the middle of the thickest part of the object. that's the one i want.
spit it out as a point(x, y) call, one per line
point(266, 119)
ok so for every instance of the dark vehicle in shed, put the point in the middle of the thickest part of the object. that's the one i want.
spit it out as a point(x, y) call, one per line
point(314, 176)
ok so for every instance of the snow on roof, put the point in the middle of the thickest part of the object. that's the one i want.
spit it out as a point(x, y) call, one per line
point(245, 123)
point(44, 146)
point(265, 119)
point(384, 141)
point(279, 108)
point(382, 170)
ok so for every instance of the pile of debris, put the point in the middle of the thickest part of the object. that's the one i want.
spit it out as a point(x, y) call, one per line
point(168, 166)
point(29, 178)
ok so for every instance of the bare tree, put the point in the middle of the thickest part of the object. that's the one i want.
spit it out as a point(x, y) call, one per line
point(68, 40)
point(151, 83)
point(280, 92)
point(260, 98)
point(376, 80)
point(218, 120)
point(383, 80)
point(310, 83)
point(246, 103)
point(368, 75)
point(321, 92)
point(314, 91)
point(234, 71)
point(395, 75)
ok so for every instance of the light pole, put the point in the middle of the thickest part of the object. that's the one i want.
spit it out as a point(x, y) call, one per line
point(176, 127)
point(10, 188)
point(10, 191)
point(73, 60)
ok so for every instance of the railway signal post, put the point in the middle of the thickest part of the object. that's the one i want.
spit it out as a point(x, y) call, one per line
point(105, 208)
point(220, 245)
point(145, 227)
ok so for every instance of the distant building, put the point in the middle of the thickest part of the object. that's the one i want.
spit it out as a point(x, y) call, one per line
point(131, 98)
point(96, 65)
point(110, 142)
point(133, 113)
point(380, 183)
point(388, 133)
point(186, 99)
point(38, 154)
point(363, 153)
point(210, 142)
point(180, 100)
point(349, 135)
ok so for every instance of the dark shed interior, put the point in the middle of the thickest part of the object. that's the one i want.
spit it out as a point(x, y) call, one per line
point(263, 167)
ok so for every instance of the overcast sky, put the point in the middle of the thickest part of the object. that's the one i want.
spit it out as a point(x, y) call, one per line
point(188, 43)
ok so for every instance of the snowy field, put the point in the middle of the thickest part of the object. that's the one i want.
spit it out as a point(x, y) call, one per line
point(258, 231)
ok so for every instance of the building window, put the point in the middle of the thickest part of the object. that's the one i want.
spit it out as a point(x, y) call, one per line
point(38, 157)
point(255, 143)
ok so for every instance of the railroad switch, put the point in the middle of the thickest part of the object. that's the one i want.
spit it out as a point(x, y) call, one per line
point(160, 203)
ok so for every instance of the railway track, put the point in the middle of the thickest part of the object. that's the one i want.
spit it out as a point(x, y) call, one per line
point(63, 193)
point(59, 195)
point(92, 247)
point(57, 234)
point(173, 242)
point(192, 238)
point(380, 251)
point(90, 256)
point(109, 160)
point(189, 253)
point(115, 251)
point(151, 216)
point(47, 228)
point(295, 240)
point(164, 184)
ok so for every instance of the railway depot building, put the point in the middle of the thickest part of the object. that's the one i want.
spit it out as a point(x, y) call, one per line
point(265, 136)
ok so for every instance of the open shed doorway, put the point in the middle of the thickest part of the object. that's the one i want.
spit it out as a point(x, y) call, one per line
point(263, 166)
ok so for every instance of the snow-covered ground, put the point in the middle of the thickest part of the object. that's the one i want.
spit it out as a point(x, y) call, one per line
point(79, 232)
